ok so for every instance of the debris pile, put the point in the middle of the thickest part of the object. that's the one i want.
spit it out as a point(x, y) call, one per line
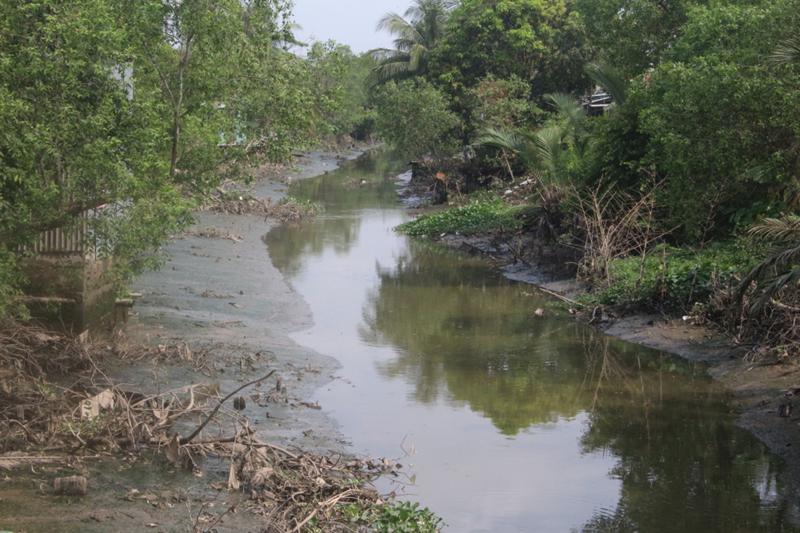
point(58, 406)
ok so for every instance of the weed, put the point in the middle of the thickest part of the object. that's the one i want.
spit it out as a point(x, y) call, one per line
point(479, 216)
point(673, 278)
point(406, 517)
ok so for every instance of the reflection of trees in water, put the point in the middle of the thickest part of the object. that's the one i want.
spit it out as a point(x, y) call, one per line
point(289, 245)
point(474, 339)
point(682, 464)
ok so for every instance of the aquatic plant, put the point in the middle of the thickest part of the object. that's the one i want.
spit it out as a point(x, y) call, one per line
point(478, 217)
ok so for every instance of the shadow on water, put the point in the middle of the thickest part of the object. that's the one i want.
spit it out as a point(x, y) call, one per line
point(523, 422)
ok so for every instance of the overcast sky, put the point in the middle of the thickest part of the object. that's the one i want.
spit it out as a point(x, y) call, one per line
point(350, 22)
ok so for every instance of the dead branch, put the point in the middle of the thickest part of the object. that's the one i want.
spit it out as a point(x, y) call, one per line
point(197, 431)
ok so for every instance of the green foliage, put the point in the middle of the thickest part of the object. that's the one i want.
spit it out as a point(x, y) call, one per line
point(417, 35)
point(780, 269)
point(405, 517)
point(10, 279)
point(540, 42)
point(555, 151)
point(713, 122)
point(633, 34)
point(414, 119)
point(340, 95)
point(500, 103)
point(137, 105)
point(674, 278)
point(477, 217)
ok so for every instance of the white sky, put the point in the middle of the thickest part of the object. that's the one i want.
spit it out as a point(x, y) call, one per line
point(350, 22)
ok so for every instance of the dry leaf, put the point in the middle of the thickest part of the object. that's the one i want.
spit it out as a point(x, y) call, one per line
point(233, 479)
point(261, 476)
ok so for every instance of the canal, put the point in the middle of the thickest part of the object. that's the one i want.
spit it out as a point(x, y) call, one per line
point(507, 420)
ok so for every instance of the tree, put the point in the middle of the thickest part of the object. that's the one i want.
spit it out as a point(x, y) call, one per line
point(634, 34)
point(342, 99)
point(135, 105)
point(551, 151)
point(416, 36)
point(413, 118)
point(540, 42)
point(73, 136)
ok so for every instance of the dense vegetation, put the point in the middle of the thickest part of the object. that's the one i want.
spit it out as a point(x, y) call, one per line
point(144, 112)
point(675, 191)
point(141, 107)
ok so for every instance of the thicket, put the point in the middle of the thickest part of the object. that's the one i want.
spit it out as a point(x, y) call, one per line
point(703, 125)
point(132, 110)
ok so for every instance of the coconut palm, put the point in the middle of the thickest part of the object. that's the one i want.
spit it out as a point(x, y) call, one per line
point(787, 52)
point(609, 79)
point(780, 269)
point(416, 35)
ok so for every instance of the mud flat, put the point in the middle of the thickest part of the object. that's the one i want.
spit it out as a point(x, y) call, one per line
point(219, 295)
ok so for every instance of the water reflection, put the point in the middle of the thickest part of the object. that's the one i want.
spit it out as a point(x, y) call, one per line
point(475, 339)
point(596, 434)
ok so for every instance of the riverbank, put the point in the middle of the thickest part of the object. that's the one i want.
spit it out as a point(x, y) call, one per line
point(758, 388)
point(210, 333)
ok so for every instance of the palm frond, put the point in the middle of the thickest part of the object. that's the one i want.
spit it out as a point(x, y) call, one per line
point(520, 145)
point(610, 79)
point(768, 293)
point(778, 229)
point(787, 52)
point(549, 145)
point(569, 107)
point(415, 34)
point(771, 274)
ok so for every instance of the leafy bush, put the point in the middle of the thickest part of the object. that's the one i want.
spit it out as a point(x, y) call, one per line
point(477, 217)
point(10, 280)
point(674, 278)
point(413, 117)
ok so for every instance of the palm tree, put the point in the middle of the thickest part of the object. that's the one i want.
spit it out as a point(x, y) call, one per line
point(416, 35)
point(787, 52)
point(548, 151)
point(609, 79)
point(780, 269)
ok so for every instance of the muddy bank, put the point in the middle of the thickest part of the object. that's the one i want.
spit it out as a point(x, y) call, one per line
point(758, 388)
point(219, 295)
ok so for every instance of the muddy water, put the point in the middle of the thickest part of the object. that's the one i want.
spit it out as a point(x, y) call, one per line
point(510, 420)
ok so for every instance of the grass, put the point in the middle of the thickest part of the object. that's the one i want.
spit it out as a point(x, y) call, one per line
point(478, 217)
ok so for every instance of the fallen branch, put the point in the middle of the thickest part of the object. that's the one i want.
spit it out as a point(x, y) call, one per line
point(197, 431)
point(560, 296)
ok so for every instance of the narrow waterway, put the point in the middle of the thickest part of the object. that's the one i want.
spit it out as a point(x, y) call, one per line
point(510, 421)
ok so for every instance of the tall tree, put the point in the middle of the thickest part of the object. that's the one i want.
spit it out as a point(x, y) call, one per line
point(128, 104)
point(417, 35)
point(539, 41)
